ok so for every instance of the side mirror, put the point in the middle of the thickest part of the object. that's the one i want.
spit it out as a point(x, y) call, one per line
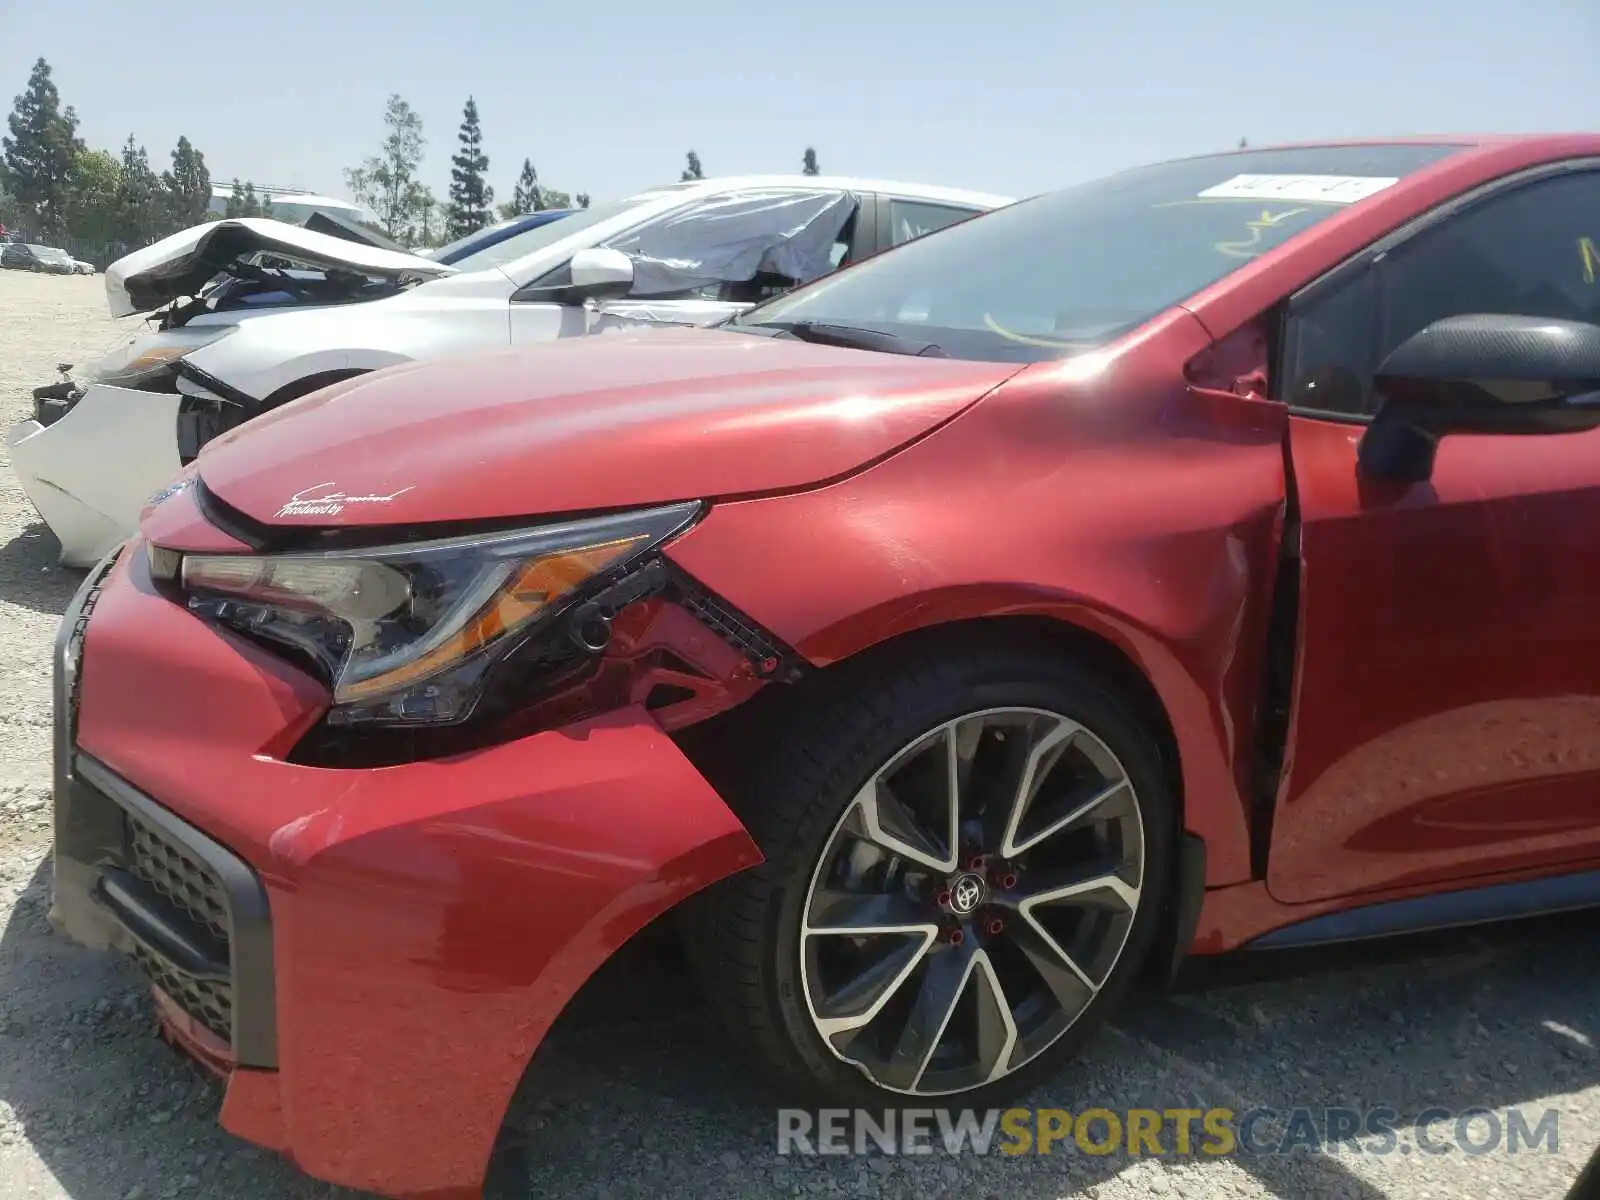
point(599, 273)
point(1481, 373)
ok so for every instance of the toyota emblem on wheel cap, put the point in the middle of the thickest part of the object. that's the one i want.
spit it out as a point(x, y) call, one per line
point(966, 893)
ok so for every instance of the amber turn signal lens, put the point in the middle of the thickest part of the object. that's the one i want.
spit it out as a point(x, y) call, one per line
point(531, 588)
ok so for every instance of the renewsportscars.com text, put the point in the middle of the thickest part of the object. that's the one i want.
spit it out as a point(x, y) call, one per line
point(1144, 1132)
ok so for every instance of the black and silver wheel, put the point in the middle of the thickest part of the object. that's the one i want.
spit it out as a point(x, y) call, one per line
point(965, 864)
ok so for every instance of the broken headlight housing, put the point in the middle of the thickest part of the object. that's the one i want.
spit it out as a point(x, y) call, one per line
point(151, 356)
point(406, 634)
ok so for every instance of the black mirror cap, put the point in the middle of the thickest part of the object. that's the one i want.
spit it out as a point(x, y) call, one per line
point(1488, 373)
point(1486, 351)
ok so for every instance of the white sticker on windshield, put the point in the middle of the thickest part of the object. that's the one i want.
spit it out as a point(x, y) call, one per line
point(1329, 189)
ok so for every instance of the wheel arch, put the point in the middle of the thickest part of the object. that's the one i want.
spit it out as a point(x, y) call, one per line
point(313, 382)
point(1128, 662)
point(1106, 649)
point(1088, 647)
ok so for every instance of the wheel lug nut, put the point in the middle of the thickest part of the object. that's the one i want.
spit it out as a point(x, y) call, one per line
point(995, 925)
point(975, 863)
point(1008, 880)
point(943, 899)
point(957, 937)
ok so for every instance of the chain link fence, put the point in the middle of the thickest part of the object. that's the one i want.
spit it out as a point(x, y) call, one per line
point(90, 250)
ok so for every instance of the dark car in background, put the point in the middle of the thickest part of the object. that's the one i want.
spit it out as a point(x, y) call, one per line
point(24, 256)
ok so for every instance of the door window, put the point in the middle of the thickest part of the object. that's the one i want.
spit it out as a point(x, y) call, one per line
point(1530, 252)
point(740, 246)
point(911, 219)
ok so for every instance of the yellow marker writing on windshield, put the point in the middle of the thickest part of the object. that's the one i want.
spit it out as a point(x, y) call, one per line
point(1252, 247)
point(1026, 339)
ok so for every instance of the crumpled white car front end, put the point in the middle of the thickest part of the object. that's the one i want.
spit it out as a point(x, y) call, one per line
point(92, 464)
point(96, 449)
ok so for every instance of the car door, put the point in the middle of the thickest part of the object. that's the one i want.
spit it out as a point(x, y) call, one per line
point(1446, 714)
point(727, 225)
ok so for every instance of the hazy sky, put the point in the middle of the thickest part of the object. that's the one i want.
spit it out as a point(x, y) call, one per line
point(1012, 96)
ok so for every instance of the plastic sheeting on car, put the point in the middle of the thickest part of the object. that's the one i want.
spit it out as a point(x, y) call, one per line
point(734, 238)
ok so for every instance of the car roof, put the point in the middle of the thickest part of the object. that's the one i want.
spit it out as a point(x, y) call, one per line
point(1464, 140)
point(910, 191)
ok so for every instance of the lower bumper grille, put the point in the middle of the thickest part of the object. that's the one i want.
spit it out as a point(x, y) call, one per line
point(207, 1001)
point(178, 877)
point(191, 914)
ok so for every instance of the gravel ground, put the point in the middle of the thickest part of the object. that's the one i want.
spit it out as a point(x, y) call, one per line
point(637, 1100)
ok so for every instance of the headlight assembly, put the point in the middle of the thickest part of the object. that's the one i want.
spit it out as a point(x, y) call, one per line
point(149, 356)
point(406, 634)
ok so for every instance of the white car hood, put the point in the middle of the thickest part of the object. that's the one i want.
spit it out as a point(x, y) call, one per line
point(182, 264)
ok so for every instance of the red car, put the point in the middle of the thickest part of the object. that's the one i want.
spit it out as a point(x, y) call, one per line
point(1195, 559)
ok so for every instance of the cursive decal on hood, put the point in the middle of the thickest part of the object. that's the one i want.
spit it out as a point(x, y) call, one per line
point(317, 501)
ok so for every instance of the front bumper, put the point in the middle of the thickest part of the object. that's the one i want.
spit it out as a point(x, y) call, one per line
point(90, 471)
point(370, 957)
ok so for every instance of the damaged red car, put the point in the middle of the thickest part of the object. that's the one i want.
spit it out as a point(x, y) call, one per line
point(1196, 559)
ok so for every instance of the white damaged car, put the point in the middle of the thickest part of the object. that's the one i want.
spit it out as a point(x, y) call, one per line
point(246, 315)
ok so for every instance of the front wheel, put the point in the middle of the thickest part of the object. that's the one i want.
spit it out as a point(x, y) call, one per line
point(965, 865)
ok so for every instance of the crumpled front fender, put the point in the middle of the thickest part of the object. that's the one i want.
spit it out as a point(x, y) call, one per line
point(90, 472)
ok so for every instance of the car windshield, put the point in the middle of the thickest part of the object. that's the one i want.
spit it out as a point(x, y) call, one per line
point(1068, 272)
point(551, 232)
point(463, 246)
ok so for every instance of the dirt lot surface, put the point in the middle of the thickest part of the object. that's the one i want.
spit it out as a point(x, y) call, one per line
point(648, 1101)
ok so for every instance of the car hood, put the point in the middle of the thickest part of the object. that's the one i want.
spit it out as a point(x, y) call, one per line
point(182, 264)
point(591, 423)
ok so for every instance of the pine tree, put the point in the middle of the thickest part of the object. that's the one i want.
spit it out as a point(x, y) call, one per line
point(525, 195)
point(692, 171)
point(187, 185)
point(139, 219)
point(423, 231)
point(809, 166)
point(251, 207)
point(235, 206)
point(41, 151)
point(470, 196)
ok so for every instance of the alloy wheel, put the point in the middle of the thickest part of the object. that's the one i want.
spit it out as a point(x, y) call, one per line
point(972, 901)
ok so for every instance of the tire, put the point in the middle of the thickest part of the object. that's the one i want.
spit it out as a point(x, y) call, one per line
point(768, 979)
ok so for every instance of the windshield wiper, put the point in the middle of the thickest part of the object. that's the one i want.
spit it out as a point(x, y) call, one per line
point(856, 338)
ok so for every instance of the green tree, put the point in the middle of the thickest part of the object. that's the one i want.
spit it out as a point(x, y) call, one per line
point(583, 199)
point(692, 171)
point(187, 185)
point(40, 152)
point(525, 194)
point(431, 228)
point(139, 218)
point(235, 204)
point(92, 196)
point(552, 198)
point(249, 203)
point(470, 195)
point(387, 182)
point(809, 163)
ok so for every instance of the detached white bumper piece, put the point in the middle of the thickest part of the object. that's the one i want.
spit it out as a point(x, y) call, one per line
point(92, 470)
